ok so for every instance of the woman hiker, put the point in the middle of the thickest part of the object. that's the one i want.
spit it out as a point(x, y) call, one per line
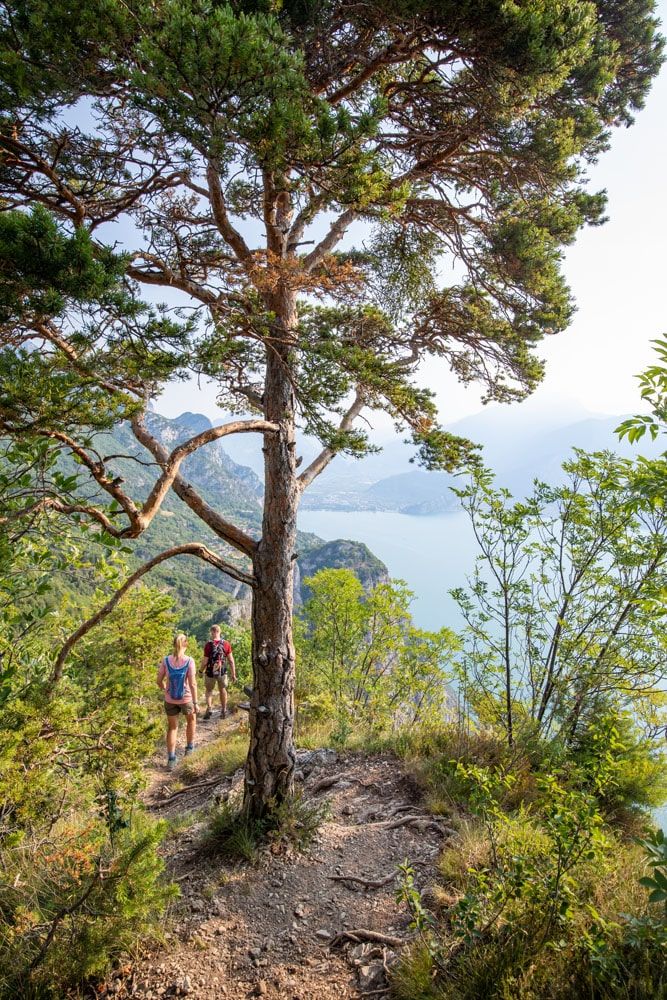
point(180, 696)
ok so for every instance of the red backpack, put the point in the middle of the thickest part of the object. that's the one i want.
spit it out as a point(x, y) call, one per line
point(217, 661)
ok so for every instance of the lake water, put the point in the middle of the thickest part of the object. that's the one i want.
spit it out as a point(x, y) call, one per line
point(432, 554)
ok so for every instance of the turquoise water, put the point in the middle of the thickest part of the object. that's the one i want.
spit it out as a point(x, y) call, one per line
point(432, 554)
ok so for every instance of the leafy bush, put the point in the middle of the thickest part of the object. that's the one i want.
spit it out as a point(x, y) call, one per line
point(72, 904)
point(363, 664)
point(81, 876)
point(542, 903)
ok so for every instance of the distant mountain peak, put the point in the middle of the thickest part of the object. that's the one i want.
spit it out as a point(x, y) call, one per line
point(198, 422)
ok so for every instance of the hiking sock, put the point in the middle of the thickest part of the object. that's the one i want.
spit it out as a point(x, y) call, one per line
point(189, 748)
point(171, 760)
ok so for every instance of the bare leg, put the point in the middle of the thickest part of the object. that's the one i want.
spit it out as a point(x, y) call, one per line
point(223, 698)
point(209, 699)
point(190, 728)
point(172, 729)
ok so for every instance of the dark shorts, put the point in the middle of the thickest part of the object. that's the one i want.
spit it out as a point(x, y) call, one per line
point(187, 708)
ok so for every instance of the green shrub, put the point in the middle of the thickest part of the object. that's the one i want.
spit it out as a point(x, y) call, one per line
point(81, 877)
point(232, 834)
point(541, 904)
point(73, 904)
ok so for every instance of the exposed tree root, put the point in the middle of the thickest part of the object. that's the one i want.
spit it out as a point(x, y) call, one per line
point(359, 934)
point(325, 783)
point(367, 883)
point(183, 791)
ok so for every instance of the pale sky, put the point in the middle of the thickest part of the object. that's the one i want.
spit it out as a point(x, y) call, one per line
point(617, 273)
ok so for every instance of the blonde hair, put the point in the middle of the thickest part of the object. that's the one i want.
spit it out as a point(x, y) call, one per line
point(180, 642)
point(215, 628)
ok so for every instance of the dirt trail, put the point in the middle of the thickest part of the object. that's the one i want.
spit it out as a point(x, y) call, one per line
point(273, 929)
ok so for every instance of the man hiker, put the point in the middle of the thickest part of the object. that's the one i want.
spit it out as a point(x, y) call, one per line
point(176, 678)
point(217, 657)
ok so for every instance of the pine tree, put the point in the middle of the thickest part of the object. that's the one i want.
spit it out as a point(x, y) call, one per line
point(295, 174)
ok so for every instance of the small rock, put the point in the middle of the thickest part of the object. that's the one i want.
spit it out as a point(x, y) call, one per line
point(186, 985)
point(323, 933)
point(255, 953)
point(261, 989)
point(197, 906)
point(358, 952)
point(371, 977)
point(347, 810)
point(299, 911)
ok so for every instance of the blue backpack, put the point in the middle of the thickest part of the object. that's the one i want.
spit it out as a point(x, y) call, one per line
point(177, 676)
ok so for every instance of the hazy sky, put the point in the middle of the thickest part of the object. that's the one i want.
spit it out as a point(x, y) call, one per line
point(617, 273)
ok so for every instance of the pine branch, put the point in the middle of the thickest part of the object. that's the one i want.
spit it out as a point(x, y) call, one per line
point(47, 332)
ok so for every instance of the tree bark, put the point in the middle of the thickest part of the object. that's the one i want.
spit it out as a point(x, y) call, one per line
point(271, 755)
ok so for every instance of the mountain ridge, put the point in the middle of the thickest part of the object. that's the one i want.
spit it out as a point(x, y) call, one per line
point(204, 593)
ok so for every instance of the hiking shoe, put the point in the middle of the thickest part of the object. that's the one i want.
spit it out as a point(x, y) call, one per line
point(171, 763)
point(188, 750)
point(207, 714)
point(223, 713)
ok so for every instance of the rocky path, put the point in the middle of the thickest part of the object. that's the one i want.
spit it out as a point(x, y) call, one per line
point(322, 924)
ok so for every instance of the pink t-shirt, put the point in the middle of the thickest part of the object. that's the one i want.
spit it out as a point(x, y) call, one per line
point(189, 680)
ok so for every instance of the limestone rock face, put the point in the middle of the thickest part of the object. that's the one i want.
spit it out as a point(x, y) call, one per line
point(343, 554)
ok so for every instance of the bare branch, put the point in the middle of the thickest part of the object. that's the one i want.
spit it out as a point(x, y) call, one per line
point(163, 275)
point(231, 236)
point(304, 218)
point(223, 528)
point(320, 463)
point(333, 237)
point(197, 549)
point(175, 459)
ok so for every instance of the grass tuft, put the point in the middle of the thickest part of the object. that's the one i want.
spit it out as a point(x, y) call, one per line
point(233, 835)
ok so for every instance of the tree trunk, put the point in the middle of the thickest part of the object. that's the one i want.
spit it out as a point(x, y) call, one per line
point(271, 756)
